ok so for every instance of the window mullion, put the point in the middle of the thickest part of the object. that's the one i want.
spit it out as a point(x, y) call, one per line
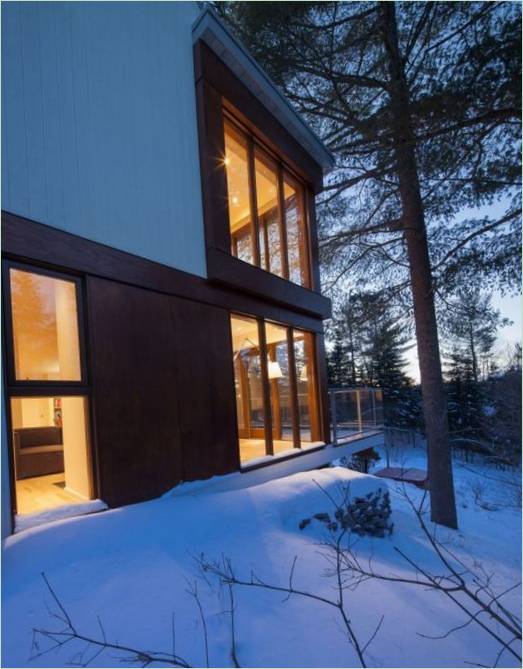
point(269, 447)
point(293, 387)
point(253, 202)
point(281, 223)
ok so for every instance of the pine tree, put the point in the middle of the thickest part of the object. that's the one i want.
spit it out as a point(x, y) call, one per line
point(337, 367)
point(384, 342)
point(470, 323)
point(421, 102)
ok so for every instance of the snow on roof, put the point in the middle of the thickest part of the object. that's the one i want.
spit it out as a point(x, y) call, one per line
point(211, 29)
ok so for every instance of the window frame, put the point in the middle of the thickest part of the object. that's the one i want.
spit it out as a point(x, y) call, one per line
point(40, 388)
point(297, 442)
point(254, 144)
point(34, 386)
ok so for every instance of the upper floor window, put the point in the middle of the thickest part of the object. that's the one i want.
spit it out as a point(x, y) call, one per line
point(267, 219)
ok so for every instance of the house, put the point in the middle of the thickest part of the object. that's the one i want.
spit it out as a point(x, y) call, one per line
point(161, 295)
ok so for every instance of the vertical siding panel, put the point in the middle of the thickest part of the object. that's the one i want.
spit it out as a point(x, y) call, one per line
point(14, 111)
point(111, 121)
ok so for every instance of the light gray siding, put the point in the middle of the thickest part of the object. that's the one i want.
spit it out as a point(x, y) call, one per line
point(99, 124)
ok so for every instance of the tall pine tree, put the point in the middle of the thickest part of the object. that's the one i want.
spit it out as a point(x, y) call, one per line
point(421, 103)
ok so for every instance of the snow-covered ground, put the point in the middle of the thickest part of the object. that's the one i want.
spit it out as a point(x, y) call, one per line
point(132, 568)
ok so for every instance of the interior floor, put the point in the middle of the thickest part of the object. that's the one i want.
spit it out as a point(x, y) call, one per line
point(41, 493)
point(251, 449)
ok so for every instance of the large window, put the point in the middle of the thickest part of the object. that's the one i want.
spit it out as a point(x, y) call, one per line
point(276, 389)
point(47, 388)
point(267, 220)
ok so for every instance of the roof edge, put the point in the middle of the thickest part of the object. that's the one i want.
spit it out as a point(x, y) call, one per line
point(212, 30)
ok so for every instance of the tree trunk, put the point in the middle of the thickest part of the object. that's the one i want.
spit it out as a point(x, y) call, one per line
point(442, 500)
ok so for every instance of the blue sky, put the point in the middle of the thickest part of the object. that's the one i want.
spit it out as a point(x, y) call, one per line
point(510, 306)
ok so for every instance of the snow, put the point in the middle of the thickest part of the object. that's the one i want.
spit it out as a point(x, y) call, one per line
point(132, 566)
point(24, 521)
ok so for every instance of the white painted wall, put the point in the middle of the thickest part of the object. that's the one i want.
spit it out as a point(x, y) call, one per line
point(99, 133)
point(76, 454)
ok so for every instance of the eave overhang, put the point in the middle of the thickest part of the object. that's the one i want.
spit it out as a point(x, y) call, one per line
point(209, 28)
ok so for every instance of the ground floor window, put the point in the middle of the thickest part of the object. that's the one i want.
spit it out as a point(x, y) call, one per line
point(275, 386)
point(47, 388)
point(51, 452)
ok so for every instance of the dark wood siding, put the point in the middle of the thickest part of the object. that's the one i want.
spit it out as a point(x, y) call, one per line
point(134, 374)
point(205, 383)
point(164, 392)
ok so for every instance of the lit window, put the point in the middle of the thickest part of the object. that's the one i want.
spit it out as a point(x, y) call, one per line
point(276, 402)
point(45, 327)
point(273, 236)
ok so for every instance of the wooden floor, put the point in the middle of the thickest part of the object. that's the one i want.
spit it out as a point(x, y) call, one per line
point(40, 493)
point(251, 449)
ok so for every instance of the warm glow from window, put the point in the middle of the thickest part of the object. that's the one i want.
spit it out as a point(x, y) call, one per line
point(51, 452)
point(292, 406)
point(273, 236)
point(45, 327)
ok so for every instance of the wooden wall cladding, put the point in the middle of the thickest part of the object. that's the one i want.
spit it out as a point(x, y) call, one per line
point(135, 408)
point(205, 384)
point(163, 391)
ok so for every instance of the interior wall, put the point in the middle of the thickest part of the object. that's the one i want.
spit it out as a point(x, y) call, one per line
point(76, 447)
point(67, 329)
point(32, 412)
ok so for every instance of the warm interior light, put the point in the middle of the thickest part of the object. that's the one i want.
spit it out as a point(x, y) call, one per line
point(235, 200)
point(226, 161)
point(274, 370)
point(303, 375)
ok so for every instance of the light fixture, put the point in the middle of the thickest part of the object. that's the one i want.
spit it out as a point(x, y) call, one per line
point(303, 374)
point(274, 369)
point(226, 161)
point(235, 200)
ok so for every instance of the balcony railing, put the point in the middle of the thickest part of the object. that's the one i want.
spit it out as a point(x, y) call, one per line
point(355, 410)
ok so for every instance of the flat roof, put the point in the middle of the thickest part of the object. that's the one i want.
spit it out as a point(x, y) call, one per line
point(212, 30)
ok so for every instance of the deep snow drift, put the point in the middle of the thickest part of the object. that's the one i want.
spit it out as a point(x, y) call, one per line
point(132, 568)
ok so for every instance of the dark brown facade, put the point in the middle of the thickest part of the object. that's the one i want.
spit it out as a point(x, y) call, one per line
point(156, 342)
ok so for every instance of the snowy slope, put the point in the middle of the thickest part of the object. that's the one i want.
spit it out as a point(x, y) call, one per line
point(131, 567)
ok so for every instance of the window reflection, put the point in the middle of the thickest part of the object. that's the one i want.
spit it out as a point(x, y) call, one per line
point(45, 327)
point(296, 236)
point(306, 382)
point(248, 386)
point(240, 221)
point(268, 214)
point(255, 180)
point(292, 403)
point(279, 381)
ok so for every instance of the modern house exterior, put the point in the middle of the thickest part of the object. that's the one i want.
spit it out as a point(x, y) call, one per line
point(162, 313)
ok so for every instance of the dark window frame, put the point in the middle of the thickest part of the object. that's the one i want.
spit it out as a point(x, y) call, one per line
point(40, 388)
point(283, 171)
point(318, 408)
point(37, 385)
point(219, 93)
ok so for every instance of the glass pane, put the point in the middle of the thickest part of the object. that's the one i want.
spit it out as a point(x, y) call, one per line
point(279, 381)
point(248, 387)
point(306, 382)
point(268, 213)
point(237, 171)
point(51, 452)
point(296, 237)
point(45, 327)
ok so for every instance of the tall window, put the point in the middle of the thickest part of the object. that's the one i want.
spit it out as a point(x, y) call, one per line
point(267, 219)
point(50, 435)
point(275, 386)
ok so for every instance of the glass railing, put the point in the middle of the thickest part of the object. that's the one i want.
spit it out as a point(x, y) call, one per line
point(355, 410)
